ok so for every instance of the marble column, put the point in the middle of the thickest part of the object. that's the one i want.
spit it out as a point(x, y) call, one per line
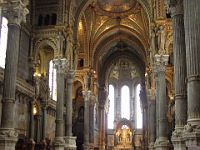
point(86, 95)
point(162, 142)
point(92, 119)
point(152, 121)
point(102, 127)
point(192, 40)
point(31, 142)
point(69, 139)
point(176, 9)
point(43, 142)
point(102, 116)
point(61, 67)
point(157, 103)
point(15, 12)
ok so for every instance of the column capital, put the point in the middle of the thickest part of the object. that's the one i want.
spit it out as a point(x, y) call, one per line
point(161, 61)
point(175, 7)
point(61, 65)
point(86, 95)
point(15, 11)
point(93, 100)
point(70, 76)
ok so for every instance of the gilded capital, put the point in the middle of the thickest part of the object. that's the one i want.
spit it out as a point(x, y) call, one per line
point(15, 11)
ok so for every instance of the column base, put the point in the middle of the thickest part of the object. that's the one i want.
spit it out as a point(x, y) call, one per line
point(102, 147)
point(8, 138)
point(59, 143)
point(178, 140)
point(151, 146)
point(88, 146)
point(162, 144)
point(43, 145)
point(191, 135)
point(70, 143)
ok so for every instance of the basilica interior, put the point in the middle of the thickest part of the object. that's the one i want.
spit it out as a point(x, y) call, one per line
point(100, 75)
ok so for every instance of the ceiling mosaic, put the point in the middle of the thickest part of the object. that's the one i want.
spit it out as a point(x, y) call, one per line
point(117, 6)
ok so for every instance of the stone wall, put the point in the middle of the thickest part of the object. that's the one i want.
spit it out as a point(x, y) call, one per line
point(23, 63)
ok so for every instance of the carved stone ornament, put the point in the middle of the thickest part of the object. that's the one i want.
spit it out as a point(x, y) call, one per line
point(61, 65)
point(175, 7)
point(59, 141)
point(86, 95)
point(6, 132)
point(191, 128)
point(15, 11)
point(177, 134)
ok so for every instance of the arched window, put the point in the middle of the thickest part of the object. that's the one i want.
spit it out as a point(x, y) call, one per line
point(53, 19)
point(3, 41)
point(52, 81)
point(125, 102)
point(40, 20)
point(111, 97)
point(138, 108)
point(46, 20)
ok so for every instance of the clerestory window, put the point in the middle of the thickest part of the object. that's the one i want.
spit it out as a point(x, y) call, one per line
point(125, 102)
point(111, 97)
point(52, 81)
point(139, 117)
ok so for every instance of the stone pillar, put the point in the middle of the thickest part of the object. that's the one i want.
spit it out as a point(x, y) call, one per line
point(15, 11)
point(102, 127)
point(86, 95)
point(152, 122)
point(102, 116)
point(92, 120)
point(162, 142)
point(176, 9)
point(61, 67)
point(43, 142)
point(69, 139)
point(192, 40)
point(31, 142)
point(157, 103)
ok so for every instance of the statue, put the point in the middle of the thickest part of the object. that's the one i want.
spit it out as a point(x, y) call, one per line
point(162, 39)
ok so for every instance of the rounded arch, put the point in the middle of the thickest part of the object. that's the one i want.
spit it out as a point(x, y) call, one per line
point(121, 30)
point(124, 121)
point(44, 43)
point(104, 69)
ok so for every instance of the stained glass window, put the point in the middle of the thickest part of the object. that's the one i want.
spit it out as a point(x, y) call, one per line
point(125, 102)
point(111, 108)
